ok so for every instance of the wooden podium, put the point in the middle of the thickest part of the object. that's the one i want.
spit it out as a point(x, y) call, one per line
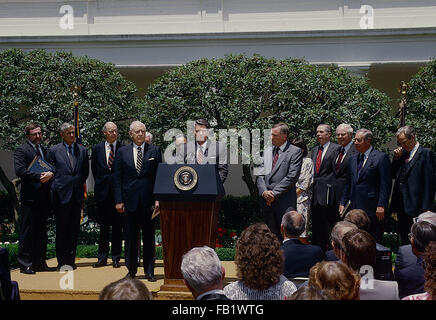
point(188, 218)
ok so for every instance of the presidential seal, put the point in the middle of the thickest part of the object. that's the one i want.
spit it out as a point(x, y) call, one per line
point(185, 178)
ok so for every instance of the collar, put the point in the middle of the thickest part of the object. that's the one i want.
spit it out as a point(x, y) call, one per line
point(107, 144)
point(283, 146)
point(325, 146)
point(32, 144)
point(215, 291)
point(67, 146)
point(296, 240)
point(413, 151)
point(203, 146)
point(348, 146)
point(367, 152)
point(135, 146)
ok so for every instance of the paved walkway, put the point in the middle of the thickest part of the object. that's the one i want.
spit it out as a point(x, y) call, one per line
point(87, 282)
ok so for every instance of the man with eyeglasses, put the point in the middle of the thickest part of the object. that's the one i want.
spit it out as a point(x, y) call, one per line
point(102, 163)
point(35, 202)
point(413, 168)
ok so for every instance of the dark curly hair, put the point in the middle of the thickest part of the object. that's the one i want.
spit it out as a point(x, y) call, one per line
point(258, 258)
point(430, 269)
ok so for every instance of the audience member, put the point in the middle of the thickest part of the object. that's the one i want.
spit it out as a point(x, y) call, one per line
point(359, 218)
point(309, 292)
point(299, 257)
point(338, 232)
point(259, 265)
point(203, 274)
point(337, 279)
point(125, 289)
point(360, 251)
point(411, 278)
point(430, 275)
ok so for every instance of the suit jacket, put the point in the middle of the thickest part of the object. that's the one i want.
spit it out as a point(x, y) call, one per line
point(410, 277)
point(340, 178)
point(323, 194)
point(103, 176)
point(23, 156)
point(68, 184)
point(215, 153)
point(299, 258)
point(417, 187)
point(131, 188)
point(281, 180)
point(371, 187)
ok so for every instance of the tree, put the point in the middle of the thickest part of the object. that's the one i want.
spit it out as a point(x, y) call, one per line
point(36, 86)
point(421, 104)
point(255, 92)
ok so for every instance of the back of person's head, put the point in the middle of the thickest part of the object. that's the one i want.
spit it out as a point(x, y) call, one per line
point(125, 289)
point(421, 234)
point(338, 232)
point(258, 258)
point(430, 269)
point(300, 143)
point(310, 292)
point(359, 218)
point(201, 268)
point(337, 279)
point(359, 249)
point(293, 223)
point(427, 216)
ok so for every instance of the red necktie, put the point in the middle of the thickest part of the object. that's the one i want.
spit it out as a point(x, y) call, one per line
point(276, 156)
point(111, 156)
point(338, 163)
point(318, 159)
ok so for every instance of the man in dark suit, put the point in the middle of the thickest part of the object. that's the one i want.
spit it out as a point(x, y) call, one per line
point(35, 202)
point(413, 168)
point(72, 168)
point(324, 214)
point(203, 274)
point(299, 257)
point(277, 177)
point(204, 151)
point(369, 182)
point(134, 177)
point(102, 162)
point(344, 134)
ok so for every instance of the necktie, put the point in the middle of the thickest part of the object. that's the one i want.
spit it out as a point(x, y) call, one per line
point(318, 159)
point(110, 161)
point(340, 156)
point(360, 161)
point(406, 156)
point(200, 155)
point(276, 156)
point(38, 153)
point(139, 160)
point(70, 156)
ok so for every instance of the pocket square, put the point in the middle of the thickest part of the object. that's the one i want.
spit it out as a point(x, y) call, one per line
point(150, 159)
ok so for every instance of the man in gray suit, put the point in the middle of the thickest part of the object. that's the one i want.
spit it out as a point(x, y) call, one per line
point(277, 177)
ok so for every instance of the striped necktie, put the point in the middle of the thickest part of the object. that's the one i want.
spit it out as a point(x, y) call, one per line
point(110, 161)
point(139, 160)
point(200, 155)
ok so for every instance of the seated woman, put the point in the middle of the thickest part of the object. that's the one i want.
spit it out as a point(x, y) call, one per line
point(259, 264)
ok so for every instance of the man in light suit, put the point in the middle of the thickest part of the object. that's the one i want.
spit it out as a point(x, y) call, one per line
point(324, 214)
point(102, 163)
point(344, 134)
point(369, 182)
point(134, 177)
point(35, 202)
point(205, 151)
point(72, 168)
point(413, 168)
point(276, 181)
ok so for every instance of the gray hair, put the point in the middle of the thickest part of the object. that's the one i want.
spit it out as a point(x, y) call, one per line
point(136, 123)
point(65, 126)
point(148, 134)
point(345, 126)
point(338, 232)
point(293, 223)
point(284, 129)
point(105, 129)
point(326, 126)
point(427, 216)
point(423, 233)
point(408, 131)
point(367, 134)
point(201, 268)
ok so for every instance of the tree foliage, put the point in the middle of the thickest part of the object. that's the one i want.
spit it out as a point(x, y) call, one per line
point(36, 86)
point(421, 104)
point(255, 92)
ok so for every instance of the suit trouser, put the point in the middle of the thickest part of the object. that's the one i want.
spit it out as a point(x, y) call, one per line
point(136, 221)
point(109, 217)
point(323, 220)
point(32, 247)
point(67, 232)
point(376, 228)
